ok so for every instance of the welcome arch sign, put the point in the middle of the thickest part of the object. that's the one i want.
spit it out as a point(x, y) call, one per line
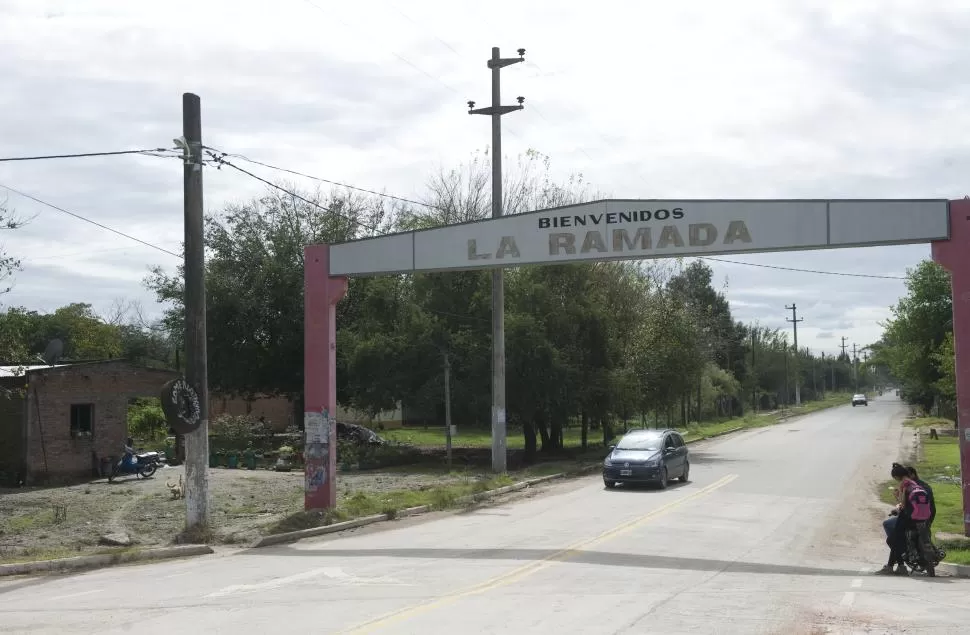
point(622, 229)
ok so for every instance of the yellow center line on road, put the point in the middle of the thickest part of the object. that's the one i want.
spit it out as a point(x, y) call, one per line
point(538, 565)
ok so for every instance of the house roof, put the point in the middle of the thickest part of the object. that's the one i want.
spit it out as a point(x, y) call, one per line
point(19, 370)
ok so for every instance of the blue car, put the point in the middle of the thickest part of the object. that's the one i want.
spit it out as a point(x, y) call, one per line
point(647, 456)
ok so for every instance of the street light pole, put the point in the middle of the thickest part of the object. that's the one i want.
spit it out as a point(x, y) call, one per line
point(496, 110)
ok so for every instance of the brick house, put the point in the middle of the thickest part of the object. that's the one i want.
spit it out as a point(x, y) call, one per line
point(57, 423)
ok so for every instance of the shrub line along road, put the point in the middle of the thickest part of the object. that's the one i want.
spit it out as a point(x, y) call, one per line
point(777, 532)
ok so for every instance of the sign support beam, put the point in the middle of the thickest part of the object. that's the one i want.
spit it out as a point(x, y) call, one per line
point(954, 256)
point(322, 292)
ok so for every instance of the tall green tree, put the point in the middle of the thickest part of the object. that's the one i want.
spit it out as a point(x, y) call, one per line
point(917, 331)
point(254, 284)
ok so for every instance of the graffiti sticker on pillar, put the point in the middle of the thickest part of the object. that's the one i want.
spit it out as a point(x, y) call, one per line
point(316, 478)
point(315, 427)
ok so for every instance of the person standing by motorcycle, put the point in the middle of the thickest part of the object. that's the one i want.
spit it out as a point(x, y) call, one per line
point(889, 525)
point(129, 456)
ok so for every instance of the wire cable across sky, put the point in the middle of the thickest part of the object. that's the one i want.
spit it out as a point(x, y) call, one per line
point(88, 220)
point(219, 157)
point(80, 155)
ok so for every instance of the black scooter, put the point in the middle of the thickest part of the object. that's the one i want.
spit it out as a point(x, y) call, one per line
point(921, 554)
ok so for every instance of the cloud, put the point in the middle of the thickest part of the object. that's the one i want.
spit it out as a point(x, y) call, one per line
point(713, 100)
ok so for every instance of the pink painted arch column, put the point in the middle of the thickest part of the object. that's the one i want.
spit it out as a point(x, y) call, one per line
point(954, 256)
point(322, 292)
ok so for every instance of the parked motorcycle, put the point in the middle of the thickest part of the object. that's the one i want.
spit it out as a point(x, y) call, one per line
point(144, 465)
point(921, 554)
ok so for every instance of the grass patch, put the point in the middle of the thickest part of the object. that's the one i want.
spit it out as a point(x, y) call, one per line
point(930, 422)
point(478, 437)
point(38, 554)
point(706, 430)
point(363, 503)
point(572, 436)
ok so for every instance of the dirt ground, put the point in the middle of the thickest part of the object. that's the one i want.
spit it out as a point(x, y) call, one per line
point(63, 521)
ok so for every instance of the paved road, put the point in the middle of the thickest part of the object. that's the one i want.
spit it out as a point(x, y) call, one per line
point(776, 533)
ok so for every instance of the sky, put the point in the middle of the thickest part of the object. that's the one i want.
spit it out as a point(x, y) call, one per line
point(689, 99)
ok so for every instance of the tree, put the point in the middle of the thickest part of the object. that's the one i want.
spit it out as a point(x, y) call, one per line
point(593, 344)
point(711, 315)
point(8, 264)
point(945, 357)
point(917, 331)
point(254, 284)
point(17, 327)
point(24, 335)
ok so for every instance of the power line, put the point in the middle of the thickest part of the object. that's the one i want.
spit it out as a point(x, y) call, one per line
point(816, 271)
point(84, 154)
point(322, 180)
point(88, 220)
point(220, 158)
point(222, 161)
point(86, 252)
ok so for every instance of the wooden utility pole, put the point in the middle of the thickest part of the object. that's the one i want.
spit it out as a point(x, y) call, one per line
point(197, 441)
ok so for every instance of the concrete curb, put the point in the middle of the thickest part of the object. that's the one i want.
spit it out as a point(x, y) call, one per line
point(300, 534)
point(102, 560)
point(955, 570)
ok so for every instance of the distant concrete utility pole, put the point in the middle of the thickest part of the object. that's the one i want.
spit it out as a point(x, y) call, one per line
point(798, 380)
point(196, 374)
point(496, 110)
point(843, 346)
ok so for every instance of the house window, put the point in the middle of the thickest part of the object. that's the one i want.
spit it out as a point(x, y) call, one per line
point(82, 420)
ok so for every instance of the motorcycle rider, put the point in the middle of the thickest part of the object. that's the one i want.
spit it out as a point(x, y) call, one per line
point(129, 457)
point(897, 536)
point(890, 523)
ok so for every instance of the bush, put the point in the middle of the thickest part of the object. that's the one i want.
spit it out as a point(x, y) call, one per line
point(236, 432)
point(146, 420)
